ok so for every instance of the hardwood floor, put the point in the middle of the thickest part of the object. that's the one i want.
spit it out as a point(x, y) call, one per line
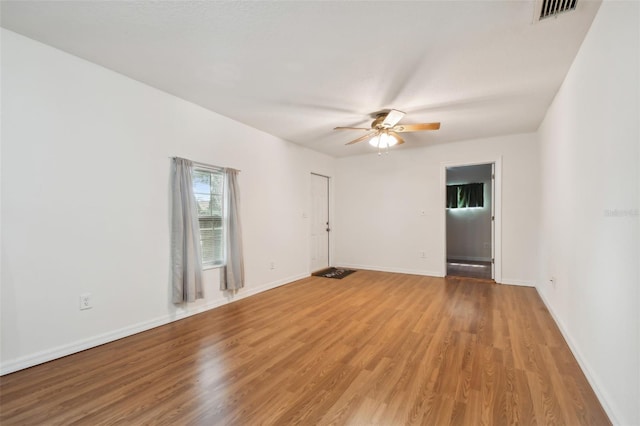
point(372, 348)
point(469, 269)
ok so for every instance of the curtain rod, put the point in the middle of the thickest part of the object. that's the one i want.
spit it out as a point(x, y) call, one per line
point(205, 164)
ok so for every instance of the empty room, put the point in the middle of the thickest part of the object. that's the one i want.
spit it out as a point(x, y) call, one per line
point(320, 212)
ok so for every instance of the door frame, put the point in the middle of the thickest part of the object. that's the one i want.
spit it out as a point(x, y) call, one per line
point(496, 246)
point(329, 216)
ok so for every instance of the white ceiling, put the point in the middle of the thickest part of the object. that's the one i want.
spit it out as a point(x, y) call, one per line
point(298, 69)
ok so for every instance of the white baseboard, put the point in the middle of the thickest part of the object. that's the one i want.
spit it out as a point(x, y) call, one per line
point(27, 361)
point(521, 283)
point(40, 357)
point(264, 287)
point(392, 269)
point(584, 365)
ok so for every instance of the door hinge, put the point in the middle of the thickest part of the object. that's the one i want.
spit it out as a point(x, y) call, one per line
point(493, 261)
point(493, 218)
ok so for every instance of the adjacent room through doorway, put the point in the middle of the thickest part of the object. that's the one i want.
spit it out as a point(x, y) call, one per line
point(469, 221)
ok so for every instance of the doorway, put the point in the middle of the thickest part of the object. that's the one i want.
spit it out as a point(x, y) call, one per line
point(319, 219)
point(470, 221)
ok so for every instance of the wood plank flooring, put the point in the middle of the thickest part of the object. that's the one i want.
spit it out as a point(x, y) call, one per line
point(371, 349)
point(469, 269)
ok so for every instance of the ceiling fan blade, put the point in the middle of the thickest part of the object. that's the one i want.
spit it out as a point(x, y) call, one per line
point(361, 138)
point(392, 118)
point(352, 128)
point(416, 127)
point(398, 138)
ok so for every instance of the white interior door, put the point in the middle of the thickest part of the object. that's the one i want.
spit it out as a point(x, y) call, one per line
point(493, 221)
point(319, 222)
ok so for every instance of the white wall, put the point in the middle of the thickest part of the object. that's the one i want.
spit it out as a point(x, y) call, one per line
point(85, 201)
point(589, 209)
point(380, 202)
point(469, 229)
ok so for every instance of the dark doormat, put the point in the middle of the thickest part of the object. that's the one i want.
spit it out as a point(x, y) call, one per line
point(337, 273)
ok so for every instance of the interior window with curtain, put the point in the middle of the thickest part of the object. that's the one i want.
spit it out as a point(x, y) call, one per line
point(208, 188)
point(465, 196)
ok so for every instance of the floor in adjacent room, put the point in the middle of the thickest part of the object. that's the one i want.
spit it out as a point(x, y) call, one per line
point(469, 269)
point(373, 348)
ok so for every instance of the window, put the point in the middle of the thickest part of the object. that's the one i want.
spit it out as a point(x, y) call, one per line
point(465, 196)
point(208, 189)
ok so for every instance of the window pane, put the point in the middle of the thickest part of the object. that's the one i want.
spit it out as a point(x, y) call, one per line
point(206, 241)
point(216, 205)
point(216, 184)
point(218, 243)
point(465, 195)
point(203, 203)
point(201, 182)
point(208, 188)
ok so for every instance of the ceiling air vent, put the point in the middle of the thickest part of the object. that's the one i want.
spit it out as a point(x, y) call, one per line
point(549, 8)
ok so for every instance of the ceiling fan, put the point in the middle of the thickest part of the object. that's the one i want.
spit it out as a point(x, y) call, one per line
point(384, 129)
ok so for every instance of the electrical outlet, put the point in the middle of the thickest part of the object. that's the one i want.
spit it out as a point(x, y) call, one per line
point(423, 255)
point(85, 301)
point(272, 265)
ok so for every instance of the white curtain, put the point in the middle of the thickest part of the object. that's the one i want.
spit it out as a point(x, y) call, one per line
point(186, 261)
point(232, 276)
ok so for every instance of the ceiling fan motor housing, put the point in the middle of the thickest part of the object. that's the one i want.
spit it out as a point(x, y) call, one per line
point(377, 123)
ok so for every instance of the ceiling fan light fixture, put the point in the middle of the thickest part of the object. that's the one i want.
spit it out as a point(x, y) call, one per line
point(383, 140)
point(385, 130)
